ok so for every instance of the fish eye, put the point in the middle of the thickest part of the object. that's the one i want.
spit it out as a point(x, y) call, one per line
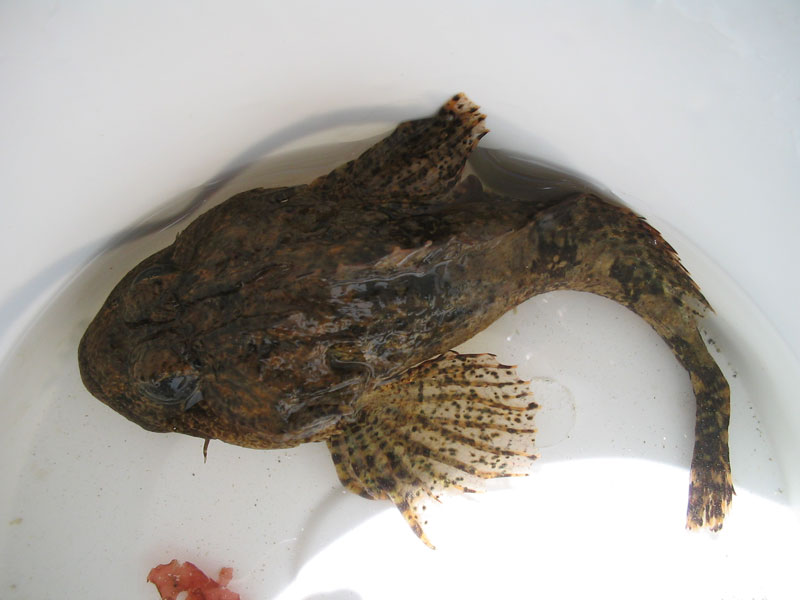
point(151, 272)
point(150, 296)
point(175, 389)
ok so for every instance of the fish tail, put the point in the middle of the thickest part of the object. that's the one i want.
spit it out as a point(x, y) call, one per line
point(622, 257)
point(445, 425)
point(419, 160)
point(711, 488)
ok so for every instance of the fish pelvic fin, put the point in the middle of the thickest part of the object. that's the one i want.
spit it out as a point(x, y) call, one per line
point(419, 161)
point(443, 426)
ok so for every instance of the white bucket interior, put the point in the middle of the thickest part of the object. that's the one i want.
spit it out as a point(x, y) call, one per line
point(689, 113)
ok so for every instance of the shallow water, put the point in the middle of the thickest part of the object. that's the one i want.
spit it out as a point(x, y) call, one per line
point(88, 488)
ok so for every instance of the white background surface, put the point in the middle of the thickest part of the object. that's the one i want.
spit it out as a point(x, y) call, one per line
point(689, 111)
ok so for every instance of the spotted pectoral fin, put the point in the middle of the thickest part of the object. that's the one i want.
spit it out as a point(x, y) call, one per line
point(445, 425)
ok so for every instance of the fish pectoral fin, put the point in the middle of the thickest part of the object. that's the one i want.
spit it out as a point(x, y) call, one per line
point(420, 160)
point(443, 426)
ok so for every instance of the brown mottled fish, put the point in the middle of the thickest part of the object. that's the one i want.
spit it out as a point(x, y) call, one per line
point(327, 311)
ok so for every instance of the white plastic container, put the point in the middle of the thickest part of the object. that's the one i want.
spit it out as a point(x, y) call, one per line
point(689, 112)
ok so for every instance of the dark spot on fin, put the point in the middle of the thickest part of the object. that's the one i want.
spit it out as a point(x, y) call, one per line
point(420, 161)
point(443, 426)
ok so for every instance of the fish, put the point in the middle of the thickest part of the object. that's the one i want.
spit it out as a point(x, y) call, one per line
point(328, 311)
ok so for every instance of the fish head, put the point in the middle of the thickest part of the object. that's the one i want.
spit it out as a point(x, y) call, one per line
point(216, 366)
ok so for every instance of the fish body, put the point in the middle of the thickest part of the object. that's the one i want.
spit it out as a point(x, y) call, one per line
point(327, 311)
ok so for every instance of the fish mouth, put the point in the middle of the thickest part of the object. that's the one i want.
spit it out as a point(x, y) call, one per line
point(207, 410)
point(103, 365)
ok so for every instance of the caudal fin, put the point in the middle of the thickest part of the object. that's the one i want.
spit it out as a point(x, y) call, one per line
point(442, 426)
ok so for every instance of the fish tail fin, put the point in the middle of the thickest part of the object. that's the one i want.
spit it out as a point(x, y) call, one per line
point(711, 488)
point(673, 306)
point(445, 425)
point(631, 263)
point(421, 159)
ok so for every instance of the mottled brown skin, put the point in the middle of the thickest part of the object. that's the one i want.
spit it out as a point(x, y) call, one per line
point(272, 314)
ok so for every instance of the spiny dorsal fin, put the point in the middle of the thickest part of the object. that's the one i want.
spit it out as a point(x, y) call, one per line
point(418, 161)
point(443, 426)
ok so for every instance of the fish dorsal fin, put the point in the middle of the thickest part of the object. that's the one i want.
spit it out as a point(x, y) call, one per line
point(443, 426)
point(419, 161)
